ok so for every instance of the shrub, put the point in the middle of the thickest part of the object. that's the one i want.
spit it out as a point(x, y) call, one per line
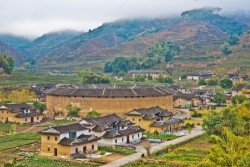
point(102, 152)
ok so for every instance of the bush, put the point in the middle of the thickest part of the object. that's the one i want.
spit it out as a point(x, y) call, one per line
point(102, 152)
point(117, 150)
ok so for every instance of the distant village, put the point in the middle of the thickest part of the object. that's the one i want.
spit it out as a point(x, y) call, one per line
point(127, 112)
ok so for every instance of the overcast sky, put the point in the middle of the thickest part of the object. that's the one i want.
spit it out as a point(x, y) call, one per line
point(36, 17)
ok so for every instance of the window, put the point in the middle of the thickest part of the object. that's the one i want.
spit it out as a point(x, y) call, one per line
point(122, 127)
point(115, 140)
point(138, 135)
point(132, 136)
point(122, 139)
point(48, 149)
point(89, 130)
point(76, 150)
point(37, 118)
point(25, 119)
point(55, 138)
point(93, 147)
point(139, 120)
point(48, 137)
point(72, 135)
point(133, 119)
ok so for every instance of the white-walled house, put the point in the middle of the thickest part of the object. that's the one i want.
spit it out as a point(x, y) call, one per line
point(113, 129)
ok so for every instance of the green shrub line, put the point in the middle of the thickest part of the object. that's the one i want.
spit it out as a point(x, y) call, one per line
point(117, 149)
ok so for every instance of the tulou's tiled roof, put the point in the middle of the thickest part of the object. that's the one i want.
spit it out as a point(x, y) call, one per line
point(82, 139)
point(165, 122)
point(107, 91)
point(240, 87)
point(65, 129)
point(119, 133)
point(25, 115)
point(147, 72)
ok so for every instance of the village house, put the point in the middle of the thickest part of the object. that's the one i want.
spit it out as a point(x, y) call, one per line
point(182, 100)
point(154, 119)
point(241, 89)
point(68, 140)
point(235, 78)
point(40, 89)
point(153, 73)
point(19, 113)
point(201, 75)
point(113, 129)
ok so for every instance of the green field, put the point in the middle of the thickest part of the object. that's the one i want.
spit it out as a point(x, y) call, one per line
point(189, 154)
point(17, 140)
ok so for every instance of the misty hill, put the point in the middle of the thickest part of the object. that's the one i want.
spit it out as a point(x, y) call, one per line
point(9, 51)
point(136, 36)
point(15, 42)
point(41, 45)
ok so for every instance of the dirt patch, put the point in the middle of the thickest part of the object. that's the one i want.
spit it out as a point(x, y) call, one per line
point(111, 157)
point(30, 130)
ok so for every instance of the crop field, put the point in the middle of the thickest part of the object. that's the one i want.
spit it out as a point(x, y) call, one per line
point(189, 154)
point(17, 140)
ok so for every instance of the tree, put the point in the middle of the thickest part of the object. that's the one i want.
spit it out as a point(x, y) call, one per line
point(40, 106)
point(226, 83)
point(140, 78)
point(212, 82)
point(21, 96)
point(92, 78)
point(202, 82)
point(238, 99)
point(93, 113)
point(233, 40)
point(230, 150)
point(147, 146)
point(225, 49)
point(6, 63)
point(73, 111)
point(163, 79)
point(184, 76)
point(219, 97)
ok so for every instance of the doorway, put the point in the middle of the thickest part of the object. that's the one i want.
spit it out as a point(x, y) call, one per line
point(55, 151)
point(84, 150)
point(128, 139)
point(32, 119)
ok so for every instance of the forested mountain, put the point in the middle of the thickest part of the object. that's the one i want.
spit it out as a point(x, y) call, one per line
point(9, 51)
point(15, 42)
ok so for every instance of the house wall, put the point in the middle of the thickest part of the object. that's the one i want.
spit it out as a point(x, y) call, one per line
point(78, 133)
point(121, 140)
point(193, 78)
point(6, 115)
point(107, 105)
point(196, 102)
point(52, 144)
point(169, 128)
point(182, 103)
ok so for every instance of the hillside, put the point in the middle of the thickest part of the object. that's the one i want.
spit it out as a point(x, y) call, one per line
point(9, 51)
point(15, 42)
point(39, 47)
point(129, 37)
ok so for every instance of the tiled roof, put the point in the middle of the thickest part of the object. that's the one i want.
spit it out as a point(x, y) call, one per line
point(151, 113)
point(240, 87)
point(184, 96)
point(118, 133)
point(166, 122)
point(147, 72)
point(82, 139)
point(18, 107)
point(107, 91)
point(105, 122)
point(31, 114)
point(65, 129)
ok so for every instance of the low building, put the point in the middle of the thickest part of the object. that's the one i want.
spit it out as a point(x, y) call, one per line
point(20, 113)
point(241, 89)
point(153, 73)
point(40, 89)
point(201, 75)
point(148, 118)
point(186, 101)
point(113, 129)
point(68, 140)
point(235, 78)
